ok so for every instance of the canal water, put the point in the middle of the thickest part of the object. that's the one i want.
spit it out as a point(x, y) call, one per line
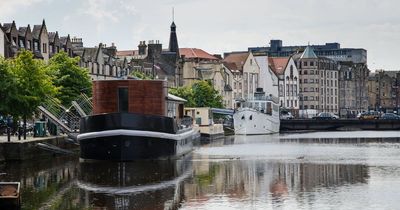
point(323, 170)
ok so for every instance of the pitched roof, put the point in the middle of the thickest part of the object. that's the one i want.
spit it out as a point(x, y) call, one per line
point(64, 39)
point(278, 64)
point(52, 36)
point(22, 31)
point(196, 53)
point(238, 59)
point(308, 53)
point(7, 27)
point(231, 66)
point(36, 31)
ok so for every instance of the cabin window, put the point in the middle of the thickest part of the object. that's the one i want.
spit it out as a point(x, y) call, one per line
point(123, 102)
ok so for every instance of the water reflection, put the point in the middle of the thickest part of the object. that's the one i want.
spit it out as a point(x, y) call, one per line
point(41, 180)
point(260, 181)
point(133, 185)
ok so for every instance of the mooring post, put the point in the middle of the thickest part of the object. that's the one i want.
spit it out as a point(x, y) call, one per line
point(8, 134)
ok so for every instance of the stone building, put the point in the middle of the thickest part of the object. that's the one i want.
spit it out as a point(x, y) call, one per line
point(102, 63)
point(318, 83)
point(286, 70)
point(353, 92)
point(41, 41)
point(11, 32)
point(235, 82)
point(155, 61)
point(25, 38)
point(383, 91)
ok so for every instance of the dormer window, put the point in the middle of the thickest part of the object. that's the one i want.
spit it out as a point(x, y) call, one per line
point(21, 43)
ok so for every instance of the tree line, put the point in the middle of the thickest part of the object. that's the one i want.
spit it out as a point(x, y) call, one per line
point(26, 82)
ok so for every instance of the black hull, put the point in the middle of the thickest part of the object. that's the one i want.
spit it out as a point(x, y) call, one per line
point(127, 148)
point(128, 136)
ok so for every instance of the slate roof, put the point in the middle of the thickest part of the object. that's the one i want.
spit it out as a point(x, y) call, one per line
point(36, 31)
point(22, 31)
point(230, 66)
point(278, 64)
point(63, 40)
point(238, 58)
point(52, 36)
point(196, 53)
point(7, 27)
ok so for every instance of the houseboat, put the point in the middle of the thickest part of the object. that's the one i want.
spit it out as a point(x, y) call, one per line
point(204, 122)
point(259, 115)
point(135, 119)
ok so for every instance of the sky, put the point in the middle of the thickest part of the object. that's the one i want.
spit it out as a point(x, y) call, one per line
point(218, 26)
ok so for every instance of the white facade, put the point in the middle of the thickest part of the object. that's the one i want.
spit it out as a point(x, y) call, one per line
point(290, 82)
point(267, 78)
point(251, 72)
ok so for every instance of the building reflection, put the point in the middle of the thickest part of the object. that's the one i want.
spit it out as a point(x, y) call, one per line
point(340, 140)
point(133, 185)
point(254, 179)
point(41, 180)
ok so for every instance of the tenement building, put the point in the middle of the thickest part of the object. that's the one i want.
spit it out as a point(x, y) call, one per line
point(384, 91)
point(352, 65)
point(318, 83)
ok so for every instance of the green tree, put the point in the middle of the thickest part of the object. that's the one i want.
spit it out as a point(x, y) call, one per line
point(201, 94)
point(70, 79)
point(33, 84)
point(205, 95)
point(8, 87)
point(141, 75)
point(185, 93)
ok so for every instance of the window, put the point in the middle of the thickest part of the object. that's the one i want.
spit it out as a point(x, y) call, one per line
point(295, 103)
point(36, 46)
point(44, 48)
point(305, 81)
point(305, 72)
point(21, 43)
point(291, 71)
point(305, 89)
point(312, 72)
point(251, 62)
point(29, 45)
point(287, 103)
point(311, 63)
point(123, 102)
point(305, 98)
point(311, 80)
point(305, 63)
point(312, 107)
point(317, 81)
point(311, 98)
point(311, 89)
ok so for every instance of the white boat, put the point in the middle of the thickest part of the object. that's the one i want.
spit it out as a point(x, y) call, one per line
point(259, 115)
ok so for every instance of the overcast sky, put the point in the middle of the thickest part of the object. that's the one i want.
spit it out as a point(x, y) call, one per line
point(217, 26)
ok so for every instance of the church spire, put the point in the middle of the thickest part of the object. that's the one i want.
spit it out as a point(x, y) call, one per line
point(173, 40)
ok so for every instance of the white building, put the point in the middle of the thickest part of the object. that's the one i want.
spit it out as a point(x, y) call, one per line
point(268, 80)
point(288, 75)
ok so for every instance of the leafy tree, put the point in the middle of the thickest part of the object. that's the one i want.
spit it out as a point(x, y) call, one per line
point(185, 93)
point(201, 94)
point(7, 87)
point(69, 78)
point(33, 84)
point(140, 75)
point(205, 95)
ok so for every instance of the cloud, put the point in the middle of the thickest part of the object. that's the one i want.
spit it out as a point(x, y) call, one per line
point(9, 7)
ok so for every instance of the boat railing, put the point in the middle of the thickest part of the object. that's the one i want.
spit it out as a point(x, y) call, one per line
point(185, 122)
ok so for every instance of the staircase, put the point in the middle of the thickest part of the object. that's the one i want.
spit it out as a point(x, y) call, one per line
point(83, 105)
point(64, 118)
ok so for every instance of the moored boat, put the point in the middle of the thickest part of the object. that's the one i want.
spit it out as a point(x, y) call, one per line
point(259, 115)
point(135, 119)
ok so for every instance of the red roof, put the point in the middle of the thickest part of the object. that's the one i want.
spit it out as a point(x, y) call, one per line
point(278, 65)
point(238, 59)
point(126, 53)
point(196, 53)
